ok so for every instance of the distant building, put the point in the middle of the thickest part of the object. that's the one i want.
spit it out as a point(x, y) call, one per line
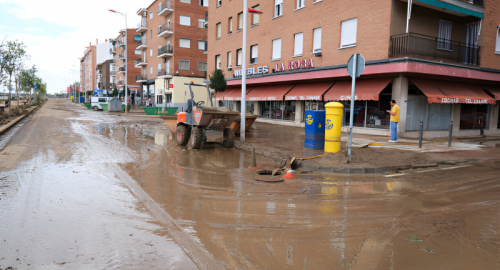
point(88, 70)
point(446, 68)
point(103, 60)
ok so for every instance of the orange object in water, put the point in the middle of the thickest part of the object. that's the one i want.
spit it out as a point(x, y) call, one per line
point(288, 175)
point(181, 117)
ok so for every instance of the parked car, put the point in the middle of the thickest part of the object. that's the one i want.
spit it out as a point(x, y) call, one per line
point(95, 102)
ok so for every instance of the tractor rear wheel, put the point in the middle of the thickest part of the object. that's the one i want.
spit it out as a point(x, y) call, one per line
point(196, 137)
point(228, 141)
point(182, 135)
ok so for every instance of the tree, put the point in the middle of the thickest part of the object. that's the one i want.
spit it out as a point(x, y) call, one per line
point(115, 92)
point(14, 56)
point(217, 81)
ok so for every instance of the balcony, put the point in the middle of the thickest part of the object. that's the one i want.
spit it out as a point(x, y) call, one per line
point(112, 85)
point(112, 73)
point(463, 7)
point(121, 69)
point(139, 62)
point(120, 82)
point(165, 51)
point(141, 44)
point(140, 78)
point(164, 8)
point(165, 74)
point(112, 50)
point(164, 30)
point(121, 43)
point(142, 26)
point(433, 48)
point(142, 12)
point(121, 56)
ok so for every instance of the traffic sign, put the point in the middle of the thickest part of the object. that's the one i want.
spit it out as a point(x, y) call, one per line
point(36, 85)
point(360, 65)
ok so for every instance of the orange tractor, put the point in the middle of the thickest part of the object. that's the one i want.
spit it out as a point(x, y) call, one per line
point(200, 124)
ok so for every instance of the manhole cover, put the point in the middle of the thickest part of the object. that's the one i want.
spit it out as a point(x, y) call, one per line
point(267, 176)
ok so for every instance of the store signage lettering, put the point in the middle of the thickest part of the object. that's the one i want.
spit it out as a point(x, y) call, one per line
point(465, 100)
point(262, 98)
point(303, 98)
point(252, 71)
point(348, 97)
point(295, 65)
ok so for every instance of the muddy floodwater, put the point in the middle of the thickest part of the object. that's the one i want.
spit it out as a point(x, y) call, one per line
point(90, 190)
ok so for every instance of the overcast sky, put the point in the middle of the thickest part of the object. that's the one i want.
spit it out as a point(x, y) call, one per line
point(56, 32)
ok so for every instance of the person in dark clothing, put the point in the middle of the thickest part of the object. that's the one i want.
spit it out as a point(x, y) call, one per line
point(190, 105)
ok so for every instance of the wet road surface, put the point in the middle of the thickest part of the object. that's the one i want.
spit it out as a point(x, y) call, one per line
point(90, 190)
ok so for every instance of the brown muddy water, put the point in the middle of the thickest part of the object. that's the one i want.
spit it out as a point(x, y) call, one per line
point(125, 197)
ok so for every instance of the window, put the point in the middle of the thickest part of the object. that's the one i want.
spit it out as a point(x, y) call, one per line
point(317, 40)
point(498, 40)
point(229, 60)
point(278, 8)
point(277, 49)
point(300, 4)
point(151, 52)
point(186, 1)
point(239, 55)
point(184, 43)
point(255, 16)
point(299, 39)
point(137, 52)
point(201, 45)
point(150, 33)
point(202, 66)
point(219, 2)
point(151, 70)
point(159, 68)
point(218, 30)
point(185, 20)
point(254, 53)
point(240, 20)
point(217, 61)
point(201, 23)
point(203, 3)
point(348, 35)
point(184, 64)
point(151, 15)
point(230, 25)
point(444, 37)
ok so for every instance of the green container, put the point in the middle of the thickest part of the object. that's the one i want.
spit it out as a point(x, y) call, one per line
point(128, 107)
point(157, 110)
point(104, 106)
point(87, 105)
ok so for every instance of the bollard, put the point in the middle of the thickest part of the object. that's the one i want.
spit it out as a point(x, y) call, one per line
point(481, 131)
point(253, 166)
point(451, 133)
point(421, 132)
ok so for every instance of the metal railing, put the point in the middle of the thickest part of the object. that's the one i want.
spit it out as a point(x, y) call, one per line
point(142, 25)
point(139, 78)
point(112, 50)
point(121, 69)
point(120, 56)
point(164, 27)
point(165, 49)
point(141, 42)
point(120, 82)
point(138, 61)
point(112, 73)
point(163, 6)
point(427, 47)
point(112, 85)
point(164, 72)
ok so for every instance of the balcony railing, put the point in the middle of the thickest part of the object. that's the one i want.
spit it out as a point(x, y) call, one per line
point(142, 26)
point(140, 78)
point(165, 73)
point(164, 30)
point(120, 82)
point(112, 85)
point(121, 69)
point(141, 44)
point(164, 8)
point(112, 73)
point(121, 56)
point(140, 62)
point(165, 50)
point(427, 47)
point(112, 50)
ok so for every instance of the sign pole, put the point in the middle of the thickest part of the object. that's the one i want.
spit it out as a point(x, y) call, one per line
point(351, 116)
point(244, 73)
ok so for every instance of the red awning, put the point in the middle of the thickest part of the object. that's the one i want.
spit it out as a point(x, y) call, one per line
point(439, 91)
point(366, 89)
point(494, 90)
point(309, 91)
point(233, 94)
point(271, 92)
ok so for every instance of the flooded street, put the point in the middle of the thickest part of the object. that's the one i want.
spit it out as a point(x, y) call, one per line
point(90, 190)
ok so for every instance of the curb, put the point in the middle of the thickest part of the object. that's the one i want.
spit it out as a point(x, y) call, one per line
point(13, 122)
point(372, 170)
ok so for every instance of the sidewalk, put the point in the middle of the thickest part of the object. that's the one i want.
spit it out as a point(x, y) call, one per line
point(370, 154)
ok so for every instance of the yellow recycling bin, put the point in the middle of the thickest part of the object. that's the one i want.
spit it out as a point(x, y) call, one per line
point(333, 126)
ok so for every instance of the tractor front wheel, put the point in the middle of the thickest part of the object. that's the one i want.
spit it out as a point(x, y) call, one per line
point(182, 135)
point(228, 141)
point(196, 137)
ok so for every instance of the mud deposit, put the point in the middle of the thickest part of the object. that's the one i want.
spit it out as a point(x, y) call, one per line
point(87, 190)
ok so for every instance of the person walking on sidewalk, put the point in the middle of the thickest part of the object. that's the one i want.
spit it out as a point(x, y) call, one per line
point(394, 112)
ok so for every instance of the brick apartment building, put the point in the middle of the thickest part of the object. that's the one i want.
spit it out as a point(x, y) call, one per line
point(103, 66)
point(446, 68)
point(88, 70)
point(172, 50)
point(118, 50)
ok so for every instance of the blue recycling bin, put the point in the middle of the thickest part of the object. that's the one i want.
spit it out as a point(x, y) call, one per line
point(315, 130)
point(82, 99)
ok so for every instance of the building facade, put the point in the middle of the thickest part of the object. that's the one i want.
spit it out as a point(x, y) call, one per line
point(439, 59)
point(103, 60)
point(88, 76)
point(172, 50)
point(120, 48)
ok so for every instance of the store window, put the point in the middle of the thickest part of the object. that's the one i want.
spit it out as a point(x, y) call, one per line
point(289, 110)
point(474, 116)
point(226, 104)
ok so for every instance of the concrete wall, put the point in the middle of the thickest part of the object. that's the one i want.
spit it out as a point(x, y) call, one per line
point(180, 91)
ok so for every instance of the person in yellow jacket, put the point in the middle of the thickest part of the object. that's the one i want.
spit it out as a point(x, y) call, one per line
point(394, 112)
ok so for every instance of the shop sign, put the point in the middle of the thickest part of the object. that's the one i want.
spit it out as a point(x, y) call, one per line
point(295, 65)
point(252, 71)
point(464, 100)
point(348, 97)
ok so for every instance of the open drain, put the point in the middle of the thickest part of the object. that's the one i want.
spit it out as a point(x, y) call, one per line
point(267, 176)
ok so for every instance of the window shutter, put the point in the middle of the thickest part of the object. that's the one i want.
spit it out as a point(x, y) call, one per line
point(298, 44)
point(184, 43)
point(498, 40)
point(217, 61)
point(348, 35)
point(317, 39)
point(201, 45)
point(255, 51)
point(239, 55)
point(228, 59)
point(240, 21)
point(218, 30)
point(230, 24)
point(184, 20)
point(277, 48)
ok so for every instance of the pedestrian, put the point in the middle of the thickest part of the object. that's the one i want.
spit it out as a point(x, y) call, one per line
point(147, 102)
point(394, 112)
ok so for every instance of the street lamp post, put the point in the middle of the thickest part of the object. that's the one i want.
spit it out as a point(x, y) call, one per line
point(126, 47)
